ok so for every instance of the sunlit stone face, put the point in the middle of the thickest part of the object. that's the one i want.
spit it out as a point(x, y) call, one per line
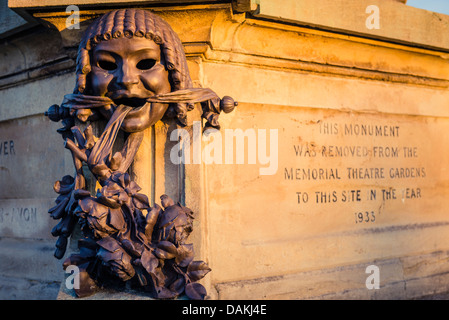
point(128, 71)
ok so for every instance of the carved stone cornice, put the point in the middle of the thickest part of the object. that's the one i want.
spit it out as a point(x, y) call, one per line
point(237, 33)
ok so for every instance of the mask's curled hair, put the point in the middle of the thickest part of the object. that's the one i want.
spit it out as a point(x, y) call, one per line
point(144, 24)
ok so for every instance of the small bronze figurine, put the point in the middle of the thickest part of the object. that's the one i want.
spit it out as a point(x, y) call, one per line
point(131, 70)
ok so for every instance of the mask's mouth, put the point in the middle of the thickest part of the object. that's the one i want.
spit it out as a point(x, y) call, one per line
point(131, 102)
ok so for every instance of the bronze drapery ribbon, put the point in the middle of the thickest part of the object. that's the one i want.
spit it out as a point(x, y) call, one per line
point(192, 95)
point(209, 100)
point(210, 103)
point(82, 101)
point(101, 151)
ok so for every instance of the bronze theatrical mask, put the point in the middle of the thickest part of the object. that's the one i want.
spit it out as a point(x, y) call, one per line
point(131, 71)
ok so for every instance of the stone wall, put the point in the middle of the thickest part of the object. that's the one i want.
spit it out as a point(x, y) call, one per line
point(352, 121)
point(310, 230)
point(34, 71)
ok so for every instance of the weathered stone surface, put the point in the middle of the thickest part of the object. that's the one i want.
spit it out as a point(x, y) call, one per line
point(28, 269)
point(103, 294)
point(32, 98)
point(396, 21)
point(32, 50)
point(327, 92)
point(348, 282)
point(17, 288)
point(368, 203)
point(30, 258)
point(55, 3)
point(32, 157)
point(323, 93)
point(26, 218)
point(9, 20)
point(272, 237)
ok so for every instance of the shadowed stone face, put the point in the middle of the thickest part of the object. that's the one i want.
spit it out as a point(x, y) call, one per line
point(129, 71)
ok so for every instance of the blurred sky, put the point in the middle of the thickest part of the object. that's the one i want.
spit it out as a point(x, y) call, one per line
point(441, 6)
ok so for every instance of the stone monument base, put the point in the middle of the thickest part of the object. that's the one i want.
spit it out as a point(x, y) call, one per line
point(107, 294)
point(104, 294)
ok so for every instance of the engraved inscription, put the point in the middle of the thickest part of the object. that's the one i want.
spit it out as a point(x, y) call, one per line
point(25, 218)
point(7, 148)
point(368, 164)
point(18, 214)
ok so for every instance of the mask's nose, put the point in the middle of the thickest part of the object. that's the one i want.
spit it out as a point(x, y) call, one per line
point(128, 76)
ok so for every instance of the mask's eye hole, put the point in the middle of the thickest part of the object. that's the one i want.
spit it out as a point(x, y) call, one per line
point(107, 65)
point(145, 64)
